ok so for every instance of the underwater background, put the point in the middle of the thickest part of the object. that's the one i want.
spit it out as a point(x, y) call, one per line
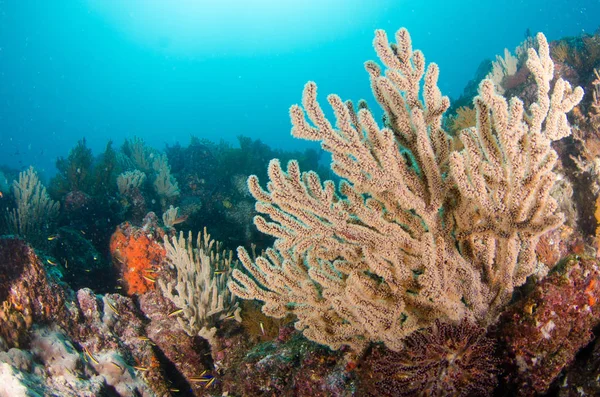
point(183, 214)
point(166, 70)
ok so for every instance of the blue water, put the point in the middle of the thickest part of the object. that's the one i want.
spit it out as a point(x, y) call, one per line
point(165, 70)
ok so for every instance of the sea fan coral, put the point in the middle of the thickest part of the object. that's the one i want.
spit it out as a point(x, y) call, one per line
point(442, 360)
point(418, 230)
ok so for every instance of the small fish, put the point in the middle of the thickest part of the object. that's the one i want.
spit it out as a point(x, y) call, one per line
point(174, 390)
point(202, 378)
point(66, 264)
point(50, 262)
point(229, 317)
point(82, 232)
point(220, 272)
point(210, 383)
point(1, 194)
point(90, 355)
point(181, 219)
point(111, 307)
point(262, 328)
point(116, 365)
point(52, 237)
point(146, 339)
point(151, 279)
point(175, 312)
point(143, 369)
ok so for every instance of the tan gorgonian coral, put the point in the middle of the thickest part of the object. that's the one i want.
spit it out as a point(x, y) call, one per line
point(35, 211)
point(165, 184)
point(140, 154)
point(170, 216)
point(465, 117)
point(421, 230)
point(199, 288)
point(505, 69)
point(560, 52)
point(128, 181)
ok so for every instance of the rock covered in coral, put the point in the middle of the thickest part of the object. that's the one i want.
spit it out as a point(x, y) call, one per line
point(53, 366)
point(543, 331)
point(110, 332)
point(69, 343)
point(290, 365)
point(552, 247)
point(188, 356)
point(26, 294)
point(582, 378)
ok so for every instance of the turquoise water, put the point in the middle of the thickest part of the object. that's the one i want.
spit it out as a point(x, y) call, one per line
point(167, 70)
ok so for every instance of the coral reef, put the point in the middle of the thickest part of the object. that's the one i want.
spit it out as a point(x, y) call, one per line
point(75, 172)
point(109, 330)
point(185, 359)
point(465, 117)
point(213, 178)
point(431, 270)
point(287, 366)
point(53, 366)
point(152, 163)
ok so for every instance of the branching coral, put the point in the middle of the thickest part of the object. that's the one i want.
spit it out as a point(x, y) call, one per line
point(129, 181)
point(35, 211)
point(200, 286)
point(75, 172)
point(465, 117)
point(165, 184)
point(421, 231)
point(508, 72)
point(149, 160)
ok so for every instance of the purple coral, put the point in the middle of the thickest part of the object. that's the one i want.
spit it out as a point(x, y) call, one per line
point(442, 360)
